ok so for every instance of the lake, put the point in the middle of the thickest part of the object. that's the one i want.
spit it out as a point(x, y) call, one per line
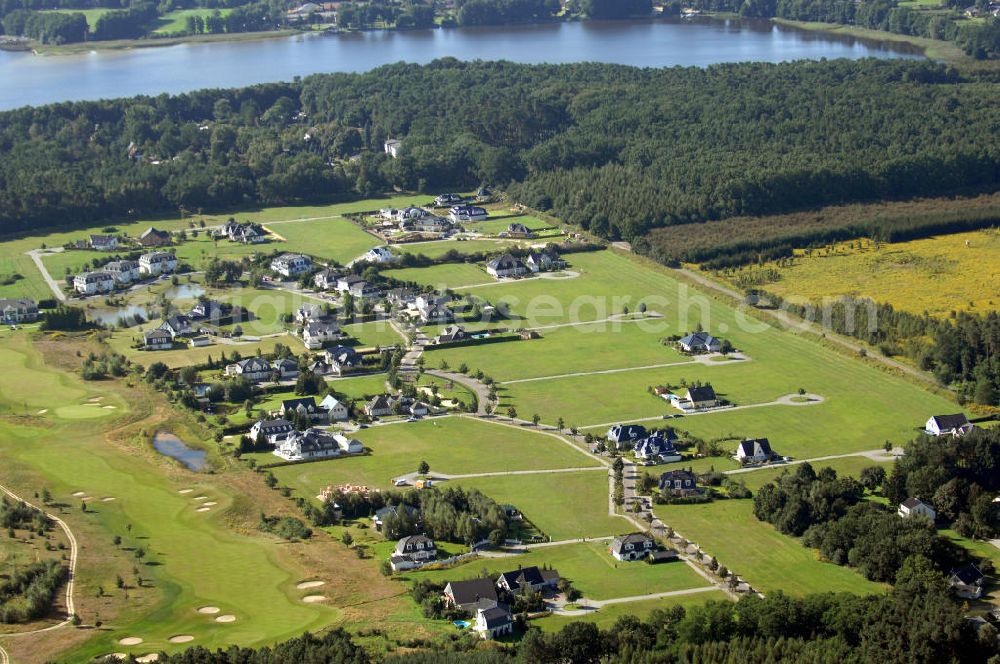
point(170, 445)
point(112, 315)
point(30, 79)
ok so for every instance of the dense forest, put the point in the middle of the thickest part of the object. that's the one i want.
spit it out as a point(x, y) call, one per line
point(918, 622)
point(614, 149)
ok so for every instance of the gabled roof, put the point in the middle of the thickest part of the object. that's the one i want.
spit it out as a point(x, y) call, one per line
point(698, 339)
point(912, 502)
point(152, 232)
point(703, 393)
point(621, 432)
point(309, 403)
point(472, 590)
point(529, 575)
point(632, 538)
point(968, 575)
point(505, 262)
point(274, 426)
point(496, 616)
point(158, 333)
point(254, 364)
point(427, 543)
point(755, 446)
point(945, 422)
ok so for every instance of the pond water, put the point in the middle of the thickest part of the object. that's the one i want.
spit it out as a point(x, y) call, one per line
point(184, 292)
point(170, 445)
point(112, 315)
point(31, 79)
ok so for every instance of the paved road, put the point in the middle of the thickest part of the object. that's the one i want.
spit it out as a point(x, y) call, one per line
point(36, 257)
point(793, 322)
point(875, 455)
point(704, 360)
point(73, 549)
point(481, 391)
point(595, 604)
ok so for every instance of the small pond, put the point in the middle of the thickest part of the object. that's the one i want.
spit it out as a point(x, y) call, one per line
point(112, 315)
point(170, 445)
point(184, 292)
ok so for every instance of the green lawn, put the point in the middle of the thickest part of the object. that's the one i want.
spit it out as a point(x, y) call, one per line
point(176, 21)
point(91, 14)
point(591, 347)
point(332, 239)
point(846, 467)
point(438, 248)
point(563, 505)
point(606, 617)
point(493, 226)
point(452, 445)
point(591, 569)
point(359, 387)
point(374, 333)
point(450, 275)
point(768, 560)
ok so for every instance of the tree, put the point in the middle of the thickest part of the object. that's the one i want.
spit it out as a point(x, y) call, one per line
point(347, 539)
point(535, 419)
point(512, 412)
point(424, 468)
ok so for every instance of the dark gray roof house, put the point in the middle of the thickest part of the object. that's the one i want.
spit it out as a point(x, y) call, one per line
point(620, 433)
point(466, 594)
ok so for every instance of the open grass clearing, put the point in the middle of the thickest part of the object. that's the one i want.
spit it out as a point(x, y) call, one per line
point(591, 569)
point(374, 333)
point(437, 248)
point(335, 239)
point(758, 553)
point(176, 20)
point(846, 467)
point(494, 226)
point(92, 14)
point(451, 445)
point(449, 275)
point(607, 616)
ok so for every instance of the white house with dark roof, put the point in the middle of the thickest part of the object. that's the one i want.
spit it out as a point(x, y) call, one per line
point(967, 582)
point(948, 425)
point(697, 398)
point(158, 339)
point(254, 369)
point(291, 265)
point(274, 431)
point(413, 548)
point(379, 255)
point(380, 406)
point(103, 242)
point(447, 199)
point(124, 272)
point(754, 450)
point(465, 595)
point(620, 434)
point(506, 266)
point(543, 261)
point(18, 310)
point(326, 279)
point(451, 334)
point(658, 448)
point(156, 263)
point(349, 445)
point(916, 507)
point(336, 410)
point(634, 546)
point(467, 213)
point(700, 342)
point(492, 622)
point(340, 359)
point(517, 231)
point(177, 325)
point(90, 283)
point(309, 444)
point(346, 281)
point(316, 333)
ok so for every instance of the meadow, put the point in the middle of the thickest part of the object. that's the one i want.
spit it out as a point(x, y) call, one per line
point(500, 223)
point(176, 20)
point(373, 333)
point(939, 275)
point(437, 248)
point(449, 275)
point(335, 239)
point(608, 615)
point(451, 445)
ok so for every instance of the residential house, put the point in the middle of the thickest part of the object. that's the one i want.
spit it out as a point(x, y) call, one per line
point(416, 547)
point(336, 410)
point(379, 255)
point(309, 444)
point(698, 398)
point(658, 448)
point(464, 595)
point(494, 621)
point(124, 272)
point(679, 483)
point(542, 261)
point(316, 333)
point(199, 342)
point(103, 242)
point(506, 266)
point(755, 450)
point(302, 407)
point(206, 309)
point(948, 425)
point(157, 263)
point(380, 406)
point(392, 147)
point(309, 312)
point(89, 283)
point(518, 231)
point(286, 368)
point(444, 200)
point(291, 265)
point(345, 282)
point(365, 290)
point(916, 507)
point(401, 297)
point(415, 408)
point(154, 238)
point(341, 359)
point(177, 326)
point(413, 513)
point(966, 582)
point(248, 233)
point(326, 279)
point(531, 579)
point(158, 339)
point(349, 445)
point(700, 342)
point(634, 546)
point(620, 434)
point(483, 193)
point(467, 213)
point(433, 309)
point(274, 431)
point(254, 369)
point(451, 334)
point(319, 367)
point(18, 310)
point(427, 223)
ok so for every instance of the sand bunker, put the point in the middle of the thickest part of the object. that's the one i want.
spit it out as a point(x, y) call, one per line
point(110, 407)
point(211, 610)
point(185, 491)
point(130, 641)
point(312, 599)
point(78, 494)
point(151, 657)
point(43, 411)
point(200, 498)
point(181, 638)
point(310, 584)
point(108, 499)
point(116, 655)
point(228, 618)
point(203, 509)
point(87, 498)
point(210, 503)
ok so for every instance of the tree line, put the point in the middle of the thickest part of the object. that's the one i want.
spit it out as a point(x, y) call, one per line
point(616, 150)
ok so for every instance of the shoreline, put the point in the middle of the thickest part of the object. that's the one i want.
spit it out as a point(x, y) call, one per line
point(932, 49)
point(130, 44)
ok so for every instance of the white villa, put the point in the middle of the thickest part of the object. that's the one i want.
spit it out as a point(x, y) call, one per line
point(291, 265)
point(124, 272)
point(89, 283)
point(156, 263)
point(916, 507)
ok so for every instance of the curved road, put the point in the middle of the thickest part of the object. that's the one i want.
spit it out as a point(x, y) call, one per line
point(73, 548)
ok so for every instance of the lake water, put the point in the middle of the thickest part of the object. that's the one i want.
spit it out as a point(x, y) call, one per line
point(111, 315)
point(184, 292)
point(30, 79)
point(170, 445)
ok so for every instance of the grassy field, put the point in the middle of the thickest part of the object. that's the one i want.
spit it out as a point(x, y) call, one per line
point(606, 617)
point(451, 275)
point(846, 467)
point(91, 14)
point(937, 275)
point(374, 333)
point(451, 445)
point(500, 224)
point(176, 21)
point(437, 248)
point(359, 387)
point(563, 506)
point(334, 239)
point(589, 566)
point(755, 551)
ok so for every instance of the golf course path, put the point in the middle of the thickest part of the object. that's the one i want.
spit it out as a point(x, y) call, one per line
point(566, 274)
point(595, 604)
point(879, 455)
point(613, 318)
point(704, 360)
point(36, 257)
point(555, 433)
point(481, 391)
point(73, 548)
